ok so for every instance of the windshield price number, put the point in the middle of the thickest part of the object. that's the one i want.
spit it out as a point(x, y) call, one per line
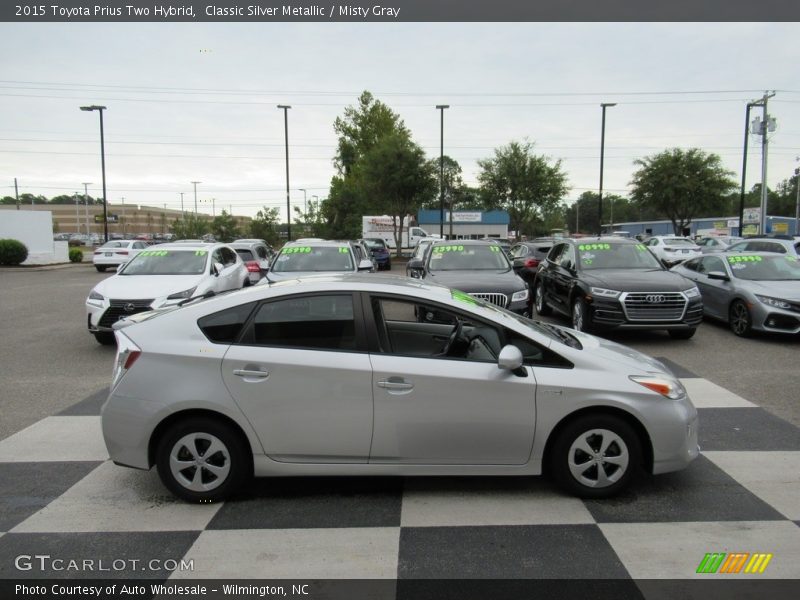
point(343, 251)
point(440, 249)
point(297, 250)
point(594, 247)
point(743, 259)
point(155, 253)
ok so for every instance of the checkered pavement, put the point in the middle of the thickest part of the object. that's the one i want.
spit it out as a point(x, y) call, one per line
point(61, 496)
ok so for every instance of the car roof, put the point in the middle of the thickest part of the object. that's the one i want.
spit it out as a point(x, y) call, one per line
point(186, 246)
point(318, 242)
point(605, 239)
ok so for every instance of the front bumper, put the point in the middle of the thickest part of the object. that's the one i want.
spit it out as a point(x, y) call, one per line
point(608, 313)
point(102, 316)
point(674, 436)
point(771, 319)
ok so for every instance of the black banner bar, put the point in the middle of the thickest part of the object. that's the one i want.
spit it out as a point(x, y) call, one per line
point(399, 10)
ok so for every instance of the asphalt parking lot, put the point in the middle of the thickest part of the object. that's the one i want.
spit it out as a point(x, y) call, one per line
point(61, 496)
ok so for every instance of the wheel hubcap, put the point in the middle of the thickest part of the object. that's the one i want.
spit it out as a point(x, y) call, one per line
point(200, 462)
point(598, 458)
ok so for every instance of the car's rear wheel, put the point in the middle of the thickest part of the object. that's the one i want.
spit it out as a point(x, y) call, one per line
point(739, 319)
point(596, 456)
point(100, 268)
point(681, 334)
point(581, 321)
point(538, 300)
point(202, 460)
point(106, 338)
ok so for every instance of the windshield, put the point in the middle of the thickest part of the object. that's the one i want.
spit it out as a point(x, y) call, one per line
point(765, 268)
point(295, 259)
point(616, 256)
point(167, 262)
point(114, 245)
point(245, 254)
point(475, 257)
point(678, 242)
point(375, 244)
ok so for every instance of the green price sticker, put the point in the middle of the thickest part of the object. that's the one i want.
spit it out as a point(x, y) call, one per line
point(441, 249)
point(743, 259)
point(341, 250)
point(200, 253)
point(594, 247)
point(297, 250)
point(641, 247)
point(154, 253)
point(494, 248)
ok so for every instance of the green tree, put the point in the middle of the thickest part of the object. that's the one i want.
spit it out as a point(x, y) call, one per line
point(8, 200)
point(681, 184)
point(522, 183)
point(397, 171)
point(224, 227)
point(311, 221)
point(263, 225)
point(191, 226)
point(359, 130)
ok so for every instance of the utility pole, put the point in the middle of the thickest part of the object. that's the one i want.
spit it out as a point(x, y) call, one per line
point(797, 202)
point(123, 216)
point(86, 205)
point(77, 216)
point(441, 108)
point(577, 215)
point(285, 108)
point(763, 128)
point(183, 215)
point(604, 106)
point(16, 192)
point(194, 183)
point(744, 166)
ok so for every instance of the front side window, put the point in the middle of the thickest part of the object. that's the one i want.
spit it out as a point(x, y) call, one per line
point(712, 263)
point(325, 322)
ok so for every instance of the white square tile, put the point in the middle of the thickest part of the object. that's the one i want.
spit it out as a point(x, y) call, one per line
point(348, 553)
point(675, 550)
point(113, 498)
point(705, 394)
point(487, 501)
point(772, 476)
point(56, 439)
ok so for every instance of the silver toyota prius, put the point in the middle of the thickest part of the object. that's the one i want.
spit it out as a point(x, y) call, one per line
point(340, 376)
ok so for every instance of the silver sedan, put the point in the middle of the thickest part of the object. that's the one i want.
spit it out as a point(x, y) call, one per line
point(758, 291)
point(337, 376)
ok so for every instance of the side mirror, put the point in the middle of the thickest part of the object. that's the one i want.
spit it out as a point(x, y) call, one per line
point(416, 267)
point(365, 265)
point(510, 358)
point(718, 275)
point(217, 268)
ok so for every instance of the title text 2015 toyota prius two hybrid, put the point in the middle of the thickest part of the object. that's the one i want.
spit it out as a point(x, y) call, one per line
point(337, 376)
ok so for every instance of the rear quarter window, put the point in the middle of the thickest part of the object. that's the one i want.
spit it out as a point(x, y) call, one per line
point(224, 327)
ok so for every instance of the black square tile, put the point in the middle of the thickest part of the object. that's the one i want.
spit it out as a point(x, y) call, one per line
point(516, 589)
point(702, 492)
point(745, 429)
point(88, 407)
point(135, 555)
point(677, 370)
point(507, 552)
point(25, 488)
point(314, 502)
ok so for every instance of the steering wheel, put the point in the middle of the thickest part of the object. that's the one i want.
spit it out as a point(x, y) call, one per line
point(453, 337)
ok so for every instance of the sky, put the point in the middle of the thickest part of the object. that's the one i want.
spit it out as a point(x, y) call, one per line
point(198, 101)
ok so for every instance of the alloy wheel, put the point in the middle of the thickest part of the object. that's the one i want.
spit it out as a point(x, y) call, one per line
point(200, 462)
point(598, 458)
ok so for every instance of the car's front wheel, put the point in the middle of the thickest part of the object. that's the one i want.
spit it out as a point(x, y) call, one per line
point(581, 321)
point(202, 460)
point(739, 319)
point(538, 300)
point(106, 338)
point(596, 456)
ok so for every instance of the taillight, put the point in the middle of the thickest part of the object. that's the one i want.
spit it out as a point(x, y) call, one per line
point(127, 354)
point(125, 252)
point(252, 266)
point(531, 262)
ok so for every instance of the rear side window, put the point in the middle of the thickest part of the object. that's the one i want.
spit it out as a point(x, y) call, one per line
point(245, 254)
point(315, 322)
point(225, 326)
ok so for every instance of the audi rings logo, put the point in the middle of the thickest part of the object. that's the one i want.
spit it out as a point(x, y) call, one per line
point(655, 298)
point(129, 307)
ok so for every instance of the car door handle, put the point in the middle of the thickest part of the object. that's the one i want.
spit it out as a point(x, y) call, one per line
point(395, 384)
point(251, 373)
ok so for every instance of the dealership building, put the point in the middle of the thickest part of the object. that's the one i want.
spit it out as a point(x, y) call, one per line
point(709, 226)
point(465, 224)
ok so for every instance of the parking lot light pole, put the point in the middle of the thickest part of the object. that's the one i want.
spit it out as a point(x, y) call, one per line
point(440, 108)
point(86, 204)
point(100, 109)
point(194, 183)
point(285, 108)
point(604, 105)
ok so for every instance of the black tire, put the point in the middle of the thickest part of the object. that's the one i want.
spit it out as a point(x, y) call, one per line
point(106, 338)
point(739, 319)
point(583, 477)
point(579, 314)
point(247, 283)
point(233, 458)
point(682, 334)
point(539, 303)
point(100, 268)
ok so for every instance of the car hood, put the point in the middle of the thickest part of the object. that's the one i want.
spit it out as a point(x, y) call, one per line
point(636, 280)
point(478, 281)
point(133, 287)
point(604, 349)
point(785, 290)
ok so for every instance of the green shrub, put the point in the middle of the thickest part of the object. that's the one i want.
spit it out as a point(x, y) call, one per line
point(75, 255)
point(12, 252)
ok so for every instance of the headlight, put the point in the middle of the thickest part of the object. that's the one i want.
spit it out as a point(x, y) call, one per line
point(776, 302)
point(95, 298)
point(666, 386)
point(519, 296)
point(182, 295)
point(604, 293)
point(691, 292)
